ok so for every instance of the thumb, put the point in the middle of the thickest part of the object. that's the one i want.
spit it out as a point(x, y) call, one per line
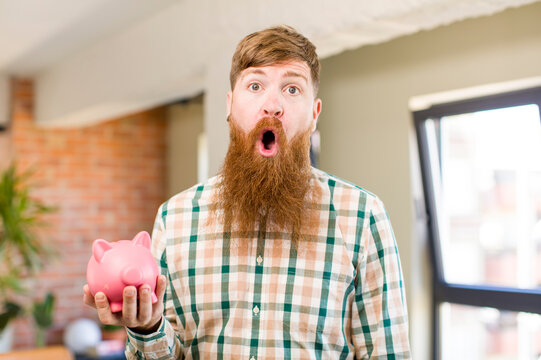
point(101, 301)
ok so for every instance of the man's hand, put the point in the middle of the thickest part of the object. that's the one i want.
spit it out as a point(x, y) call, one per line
point(142, 319)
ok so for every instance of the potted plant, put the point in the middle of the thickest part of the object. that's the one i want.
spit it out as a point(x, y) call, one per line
point(11, 311)
point(113, 332)
point(22, 251)
point(42, 311)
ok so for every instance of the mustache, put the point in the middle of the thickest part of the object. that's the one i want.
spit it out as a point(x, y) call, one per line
point(270, 121)
point(267, 123)
point(251, 139)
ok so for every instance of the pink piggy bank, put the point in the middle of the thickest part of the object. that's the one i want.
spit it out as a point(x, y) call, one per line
point(116, 265)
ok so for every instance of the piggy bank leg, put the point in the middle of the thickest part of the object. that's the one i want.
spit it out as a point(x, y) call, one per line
point(116, 306)
point(154, 298)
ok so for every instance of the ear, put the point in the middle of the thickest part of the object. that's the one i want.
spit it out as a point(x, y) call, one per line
point(229, 102)
point(142, 239)
point(99, 248)
point(315, 113)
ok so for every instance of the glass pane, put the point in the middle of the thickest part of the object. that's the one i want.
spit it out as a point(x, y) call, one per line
point(489, 334)
point(488, 170)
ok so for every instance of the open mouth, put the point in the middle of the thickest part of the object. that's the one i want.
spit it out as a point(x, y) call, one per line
point(268, 146)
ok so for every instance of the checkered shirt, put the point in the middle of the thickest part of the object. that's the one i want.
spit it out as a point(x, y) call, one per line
point(337, 295)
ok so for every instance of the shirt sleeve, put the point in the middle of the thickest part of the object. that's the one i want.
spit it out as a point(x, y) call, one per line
point(379, 314)
point(165, 343)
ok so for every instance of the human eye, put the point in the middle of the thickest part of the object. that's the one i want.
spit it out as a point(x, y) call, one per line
point(293, 90)
point(254, 87)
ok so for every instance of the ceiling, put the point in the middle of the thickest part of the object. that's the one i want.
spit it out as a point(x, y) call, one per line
point(34, 34)
point(97, 59)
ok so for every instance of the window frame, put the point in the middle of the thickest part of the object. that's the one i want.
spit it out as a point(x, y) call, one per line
point(502, 298)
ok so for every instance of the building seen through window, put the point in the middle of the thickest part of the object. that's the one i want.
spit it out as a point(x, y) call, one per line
point(482, 179)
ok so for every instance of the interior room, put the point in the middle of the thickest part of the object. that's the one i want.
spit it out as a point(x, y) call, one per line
point(107, 109)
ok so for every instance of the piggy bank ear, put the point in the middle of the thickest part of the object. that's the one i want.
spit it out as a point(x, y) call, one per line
point(142, 239)
point(99, 248)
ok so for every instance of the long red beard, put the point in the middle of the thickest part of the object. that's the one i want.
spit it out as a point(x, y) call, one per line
point(265, 192)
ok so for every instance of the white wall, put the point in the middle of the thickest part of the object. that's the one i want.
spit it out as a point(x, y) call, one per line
point(366, 127)
point(185, 124)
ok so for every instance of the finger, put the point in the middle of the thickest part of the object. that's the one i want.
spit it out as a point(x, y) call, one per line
point(88, 298)
point(104, 311)
point(129, 306)
point(161, 285)
point(145, 304)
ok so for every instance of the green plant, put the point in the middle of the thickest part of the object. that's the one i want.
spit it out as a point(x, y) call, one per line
point(113, 332)
point(109, 327)
point(43, 317)
point(22, 251)
point(12, 310)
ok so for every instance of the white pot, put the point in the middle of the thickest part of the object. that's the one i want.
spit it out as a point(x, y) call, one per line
point(6, 338)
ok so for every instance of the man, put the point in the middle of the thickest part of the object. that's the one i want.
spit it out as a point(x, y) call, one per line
point(271, 258)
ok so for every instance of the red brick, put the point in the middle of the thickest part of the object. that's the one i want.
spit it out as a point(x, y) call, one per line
point(107, 181)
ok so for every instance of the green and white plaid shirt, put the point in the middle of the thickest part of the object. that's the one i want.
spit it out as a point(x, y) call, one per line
point(339, 295)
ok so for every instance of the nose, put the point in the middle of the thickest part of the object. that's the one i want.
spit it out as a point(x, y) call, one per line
point(273, 106)
point(131, 276)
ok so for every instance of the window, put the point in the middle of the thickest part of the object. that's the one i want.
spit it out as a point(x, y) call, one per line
point(481, 168)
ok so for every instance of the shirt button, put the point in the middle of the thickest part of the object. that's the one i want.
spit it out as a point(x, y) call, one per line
point(256, 310)
point(259, 260)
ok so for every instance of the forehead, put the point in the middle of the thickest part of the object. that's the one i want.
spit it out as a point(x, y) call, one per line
point(280, 70)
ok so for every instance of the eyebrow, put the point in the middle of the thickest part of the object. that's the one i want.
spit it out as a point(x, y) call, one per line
point(287, 74)
point(296, 74)
point(254, 71)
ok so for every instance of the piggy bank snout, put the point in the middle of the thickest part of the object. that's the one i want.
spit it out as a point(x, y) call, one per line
point(132, 275)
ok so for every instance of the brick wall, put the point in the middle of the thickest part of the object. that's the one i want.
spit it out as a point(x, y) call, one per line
point(107, 181)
